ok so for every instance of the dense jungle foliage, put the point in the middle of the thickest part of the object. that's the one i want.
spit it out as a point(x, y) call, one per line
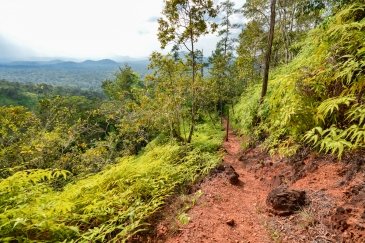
point(316, 99)
point(57, 159)
point(84, 166)
point(29, 95)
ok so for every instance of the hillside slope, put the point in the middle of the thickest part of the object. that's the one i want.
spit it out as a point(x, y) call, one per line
point(318, 98)
point(111, 205)
point(315, 106)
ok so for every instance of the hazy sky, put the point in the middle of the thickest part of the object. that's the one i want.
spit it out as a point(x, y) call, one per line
point(83, 28)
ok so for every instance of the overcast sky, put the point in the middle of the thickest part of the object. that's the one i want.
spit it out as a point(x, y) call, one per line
point(82, 28)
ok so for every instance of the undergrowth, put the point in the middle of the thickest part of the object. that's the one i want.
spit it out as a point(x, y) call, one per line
point(112, 205)
point(318, 98)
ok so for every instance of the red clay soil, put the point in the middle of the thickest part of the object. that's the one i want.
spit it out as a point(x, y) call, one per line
point(238, 213)
point(225, 212)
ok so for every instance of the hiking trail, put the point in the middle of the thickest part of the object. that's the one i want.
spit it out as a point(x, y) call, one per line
point(225, 212)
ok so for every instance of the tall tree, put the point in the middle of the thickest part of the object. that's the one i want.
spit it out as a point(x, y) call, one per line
point(294, 18)
point(222, 58)
point(121, 88)
point(166, 92)
point(250, 52)
point(183, 23)
point(226, 43)
point(269, 48)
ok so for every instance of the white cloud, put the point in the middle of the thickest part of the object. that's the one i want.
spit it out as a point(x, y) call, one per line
point(84, 28)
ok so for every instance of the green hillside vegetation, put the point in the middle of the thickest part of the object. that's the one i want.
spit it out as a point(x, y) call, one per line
point(28, 94)
point(78, 168)
point(81, 166)
point(317, 99)
point(77, 171)
point(113, 204)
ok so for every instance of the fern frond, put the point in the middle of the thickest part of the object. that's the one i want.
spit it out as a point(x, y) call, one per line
point(356, 114)
point(331, 140)
point(329, 106)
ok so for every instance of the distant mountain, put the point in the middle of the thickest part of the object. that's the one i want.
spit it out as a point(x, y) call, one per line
point(100, 62)
point(60, 62)
point(87, 74)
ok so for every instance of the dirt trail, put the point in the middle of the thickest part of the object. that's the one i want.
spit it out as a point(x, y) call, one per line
point(238, 213)
point(222, 204)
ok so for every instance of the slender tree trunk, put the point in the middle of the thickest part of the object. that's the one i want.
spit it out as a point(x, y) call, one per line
point(202, 63)
point(220, 109)
point(184, 130)
point(227, 127)
point(171, 130)
point(193, 105)
point(268, 53)
point(284, 30)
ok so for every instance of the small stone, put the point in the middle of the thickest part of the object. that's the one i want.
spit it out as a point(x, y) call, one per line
point(231, 222)
point(220, 168)
point(232, 175)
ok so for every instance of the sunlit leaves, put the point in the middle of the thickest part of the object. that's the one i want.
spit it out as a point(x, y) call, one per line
point(331, 140)
point(331, 105)
point(109, 206)
point(320, 94)
point(342, 115)
point(16, 123)
point(185, 20)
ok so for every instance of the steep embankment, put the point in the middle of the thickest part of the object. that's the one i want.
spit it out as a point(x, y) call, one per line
point(318, 98)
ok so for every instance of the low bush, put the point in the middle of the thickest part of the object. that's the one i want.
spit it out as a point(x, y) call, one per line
point(111, 205)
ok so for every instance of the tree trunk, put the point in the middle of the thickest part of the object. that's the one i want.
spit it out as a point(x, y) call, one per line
point(227, 127)
point(268, 53)
point(220, 108)
point(193, 105)
point(202, 63)
point(283, 16)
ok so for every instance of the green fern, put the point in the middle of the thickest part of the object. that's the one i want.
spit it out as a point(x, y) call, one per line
point(329, 106)
point(318, 97)
point(331, 140)
point(110, 206)
point(356, 114)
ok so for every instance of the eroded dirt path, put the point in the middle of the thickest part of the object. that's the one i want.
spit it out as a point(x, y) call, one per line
point(222, 204)
point(238, 213)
